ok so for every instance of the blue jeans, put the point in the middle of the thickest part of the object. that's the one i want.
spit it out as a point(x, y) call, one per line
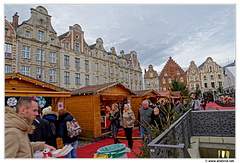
point(73, 152)
point(144, 133)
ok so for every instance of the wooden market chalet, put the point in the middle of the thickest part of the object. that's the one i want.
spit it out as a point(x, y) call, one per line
point(87, 104)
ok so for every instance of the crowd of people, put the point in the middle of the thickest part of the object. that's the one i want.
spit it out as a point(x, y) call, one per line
point(28, 130)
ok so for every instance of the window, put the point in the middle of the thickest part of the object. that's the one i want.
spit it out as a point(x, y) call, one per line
point(38, 72)
point(26, 70)
point(77, 62)
point(52, 57)
point(169, 80)
point(205, 85)
point(181, 79)
point(40, 55)
point(126, 74)
point(86, 64)
point(25, 52)
point(77, 78)
point(164, 81)
point(178, 72)
point(212, 77)
point(111, 69)
point(77, 47)
point(220, 84)
point(121, 74)
point(40, 36)
point(27, 34)
point(104, 68)
point(52, 41)
point(86, 79)
point(66, 60)
point(150, 74)
point(219, 76)
point(104, 80)
point(96, 67)
point(8, 50)
point(212, 84)
point(66, 77)
point(204, 77)
point(192, 86)
point(67, 45)
point(165, 73)
point(7, 68)
point(210, 68)
point(52, 75)
point(97, 79)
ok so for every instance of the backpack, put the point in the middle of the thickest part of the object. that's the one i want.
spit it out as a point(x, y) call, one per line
point(73, 128)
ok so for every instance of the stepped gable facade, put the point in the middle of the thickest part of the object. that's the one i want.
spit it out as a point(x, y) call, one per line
point(171, 71)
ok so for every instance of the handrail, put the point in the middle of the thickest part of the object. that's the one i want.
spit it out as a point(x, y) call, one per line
point(188, 125)
point(169, 129)
point(153, 145)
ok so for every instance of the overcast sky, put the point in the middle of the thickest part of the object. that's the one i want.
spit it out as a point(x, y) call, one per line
point(156, 32)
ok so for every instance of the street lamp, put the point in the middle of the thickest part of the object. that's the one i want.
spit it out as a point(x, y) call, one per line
point(41, 75)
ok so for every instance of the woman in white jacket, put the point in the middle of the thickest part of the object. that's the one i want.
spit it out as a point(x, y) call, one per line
point(128, 123)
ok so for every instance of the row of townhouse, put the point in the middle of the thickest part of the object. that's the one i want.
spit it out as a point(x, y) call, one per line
point(33, 48)
point(208, 76)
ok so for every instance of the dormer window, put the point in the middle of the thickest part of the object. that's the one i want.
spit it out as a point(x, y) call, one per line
point(27, 34)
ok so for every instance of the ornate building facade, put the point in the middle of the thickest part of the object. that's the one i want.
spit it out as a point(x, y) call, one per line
point(38, 47)
point(10, 48)
point(193, 77)
point(151, 79)
point(67, 60)
point(211, 75)
point(171, 71)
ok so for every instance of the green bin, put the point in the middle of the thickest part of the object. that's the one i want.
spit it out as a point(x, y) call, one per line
point(113, 151)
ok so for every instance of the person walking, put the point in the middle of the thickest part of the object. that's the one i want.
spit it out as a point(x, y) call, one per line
point(65, 116)
point(114, 125)
point(18, 124)
point(145, 115)
point(128, 123)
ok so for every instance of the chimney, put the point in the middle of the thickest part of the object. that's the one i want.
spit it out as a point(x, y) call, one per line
point(15, 20)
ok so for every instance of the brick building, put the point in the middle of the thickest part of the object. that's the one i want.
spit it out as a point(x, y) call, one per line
point(171, 71)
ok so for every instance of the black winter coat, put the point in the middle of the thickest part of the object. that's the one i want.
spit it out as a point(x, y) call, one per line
point(115, 119)
point(62, 129)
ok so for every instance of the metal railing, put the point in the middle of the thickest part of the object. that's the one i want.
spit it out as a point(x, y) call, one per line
point(175, 140)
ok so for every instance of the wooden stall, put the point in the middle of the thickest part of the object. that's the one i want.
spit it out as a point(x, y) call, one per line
point(166, 94)
point(137, 99)
point(178, 94)
point(18, 85)
point(88, 106)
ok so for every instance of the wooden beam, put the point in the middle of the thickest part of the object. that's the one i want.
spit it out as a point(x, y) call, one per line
point(16, 93)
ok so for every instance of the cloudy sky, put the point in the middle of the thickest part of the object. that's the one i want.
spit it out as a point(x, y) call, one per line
point(154, 31)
